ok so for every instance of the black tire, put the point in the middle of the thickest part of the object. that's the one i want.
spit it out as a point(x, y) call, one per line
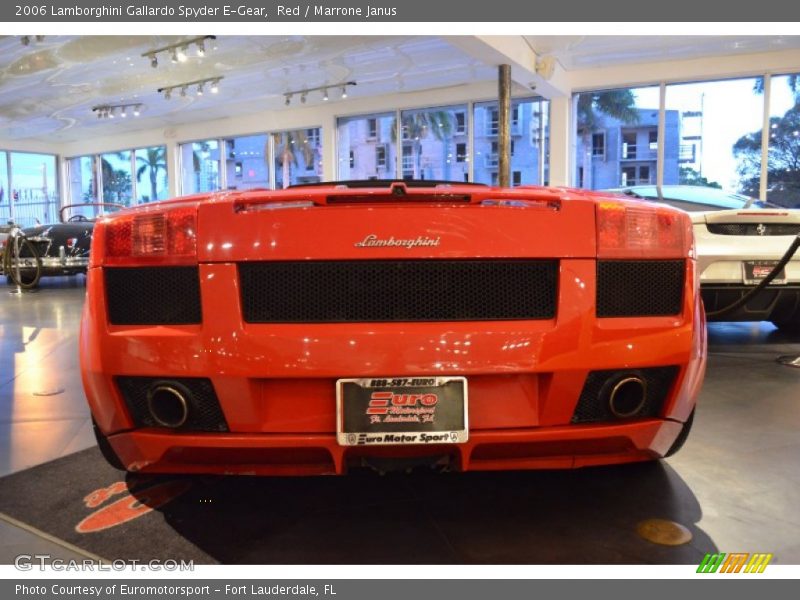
point(682, 436)
point(106, 450)
point(792, 327)
point(27, 280)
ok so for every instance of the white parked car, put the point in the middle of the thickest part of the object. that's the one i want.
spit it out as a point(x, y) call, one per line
point(739, 242)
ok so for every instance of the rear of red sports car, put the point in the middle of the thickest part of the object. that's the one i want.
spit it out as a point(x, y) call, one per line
point(310, 330)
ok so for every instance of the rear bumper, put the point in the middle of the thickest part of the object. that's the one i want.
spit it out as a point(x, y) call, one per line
point(779, 303)
point(545, 448)
point(276, 382)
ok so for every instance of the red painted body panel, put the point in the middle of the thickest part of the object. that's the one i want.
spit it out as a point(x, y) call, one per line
point(275, 382)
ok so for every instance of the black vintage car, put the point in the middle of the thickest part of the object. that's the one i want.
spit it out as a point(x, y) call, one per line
point(49, 250)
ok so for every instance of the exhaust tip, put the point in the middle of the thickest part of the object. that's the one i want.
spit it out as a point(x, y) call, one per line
point(627, 396)
point(168, 405)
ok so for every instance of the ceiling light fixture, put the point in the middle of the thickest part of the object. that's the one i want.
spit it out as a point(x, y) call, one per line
point(109, 111)
point(323, 88)
point(179, 51)
point(201, 85)
point(26, 40)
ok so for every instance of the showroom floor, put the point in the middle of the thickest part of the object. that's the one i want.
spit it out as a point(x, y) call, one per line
point(740, 467)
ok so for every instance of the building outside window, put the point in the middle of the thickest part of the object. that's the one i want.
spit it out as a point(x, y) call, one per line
point(625, 119)
point(432, 135)
point(200, 169)
point(298, 157)
point(380, 157)
point(529, 141)
point(247, 162)
point(358, 140)
point(783, 163)
point(715, 121)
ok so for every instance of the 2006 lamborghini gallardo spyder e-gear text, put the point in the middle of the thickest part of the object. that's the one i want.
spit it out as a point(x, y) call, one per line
point(313, 329)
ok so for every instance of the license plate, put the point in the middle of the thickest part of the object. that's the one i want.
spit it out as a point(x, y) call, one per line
point(401, 410)
point(756, 270)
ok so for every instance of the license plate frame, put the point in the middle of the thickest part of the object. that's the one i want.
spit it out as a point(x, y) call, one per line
point(754, 272)
point(363, 405)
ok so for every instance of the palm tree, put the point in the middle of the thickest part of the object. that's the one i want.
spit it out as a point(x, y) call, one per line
point(116, 182)
point(793, 81)
point(592, 107)
point(154, 160)
point(289, 146)
point(418, 125)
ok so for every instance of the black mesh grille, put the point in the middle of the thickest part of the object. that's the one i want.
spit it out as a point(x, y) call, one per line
point(593, 403)
point(639, 288)
point(754, 228)
point(375, 291)
point(205, 413)
point(153, 295)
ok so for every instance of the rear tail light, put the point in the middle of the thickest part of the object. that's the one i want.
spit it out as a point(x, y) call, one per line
point(164, 237)
point(625, 231)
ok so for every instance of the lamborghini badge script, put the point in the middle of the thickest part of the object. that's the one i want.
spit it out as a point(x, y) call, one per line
point(373, 241)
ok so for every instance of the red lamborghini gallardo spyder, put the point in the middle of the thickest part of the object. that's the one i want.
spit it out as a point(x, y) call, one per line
point(326, 326)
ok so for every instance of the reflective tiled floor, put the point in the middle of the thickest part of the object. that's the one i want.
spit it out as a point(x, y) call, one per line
point(741, 463)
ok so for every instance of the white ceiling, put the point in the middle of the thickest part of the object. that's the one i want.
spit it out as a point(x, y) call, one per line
point(595, 51)
point(47, 89)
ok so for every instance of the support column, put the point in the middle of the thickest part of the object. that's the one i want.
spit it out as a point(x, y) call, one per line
point(504, 125)
point(561, 141)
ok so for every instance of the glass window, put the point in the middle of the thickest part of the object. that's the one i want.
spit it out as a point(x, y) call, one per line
point(34, 188)
point(5, 203)
point(82, 179)
point(599, 144)
point(151, 174)
point(783, 180)
point(298, 157)
point(628, 118)
point(358, 141)
point(707, 124)
point(529, 142)
point(200, 167)
point(117, 179)
point(246, 162)
point(432, 135)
